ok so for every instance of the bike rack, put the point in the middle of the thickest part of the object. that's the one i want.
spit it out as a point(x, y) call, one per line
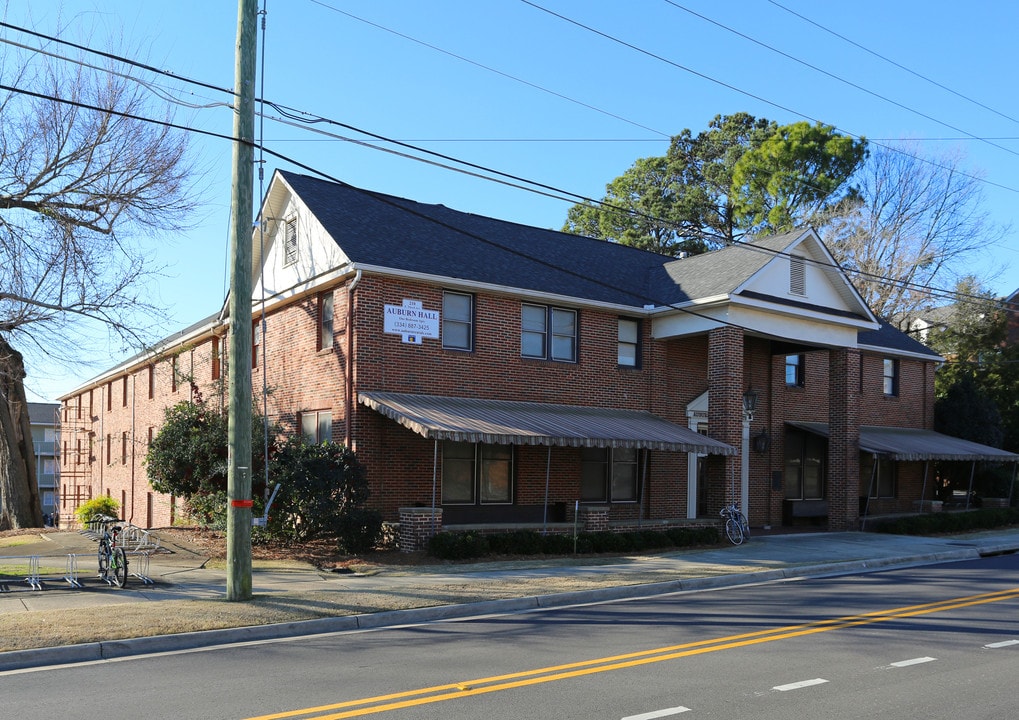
point(33, 579)
point(71, 574)
point(140, 558)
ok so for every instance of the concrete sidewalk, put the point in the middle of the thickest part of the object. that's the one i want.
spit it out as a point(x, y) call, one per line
point(179, 573)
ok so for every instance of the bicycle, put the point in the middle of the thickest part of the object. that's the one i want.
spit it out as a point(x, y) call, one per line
point(112, 558)
point(737, 529)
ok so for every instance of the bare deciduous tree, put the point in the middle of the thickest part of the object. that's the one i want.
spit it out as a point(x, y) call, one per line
point(81, 181)
point(913, 224)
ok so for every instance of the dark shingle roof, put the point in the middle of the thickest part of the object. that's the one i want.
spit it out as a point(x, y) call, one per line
point(387, 231)
point(890, 337)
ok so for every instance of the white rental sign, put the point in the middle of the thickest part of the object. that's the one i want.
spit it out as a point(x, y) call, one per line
point(411, 321)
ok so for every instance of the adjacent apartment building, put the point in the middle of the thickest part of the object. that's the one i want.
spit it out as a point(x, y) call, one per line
point(494, 374)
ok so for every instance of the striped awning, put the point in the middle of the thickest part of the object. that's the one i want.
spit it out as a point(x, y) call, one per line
point(529, 423)
point(914, 444)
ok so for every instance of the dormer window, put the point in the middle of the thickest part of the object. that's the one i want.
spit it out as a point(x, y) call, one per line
point(797, 276)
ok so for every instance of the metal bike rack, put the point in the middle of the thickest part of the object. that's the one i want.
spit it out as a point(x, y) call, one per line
point(33, 579)
point(140, 560)
point(71, 574)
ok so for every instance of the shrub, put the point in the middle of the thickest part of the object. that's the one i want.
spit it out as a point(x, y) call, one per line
point(102, 505)
point(948, 522)
point(462, 546)
point(358, 530)
point(458, 546)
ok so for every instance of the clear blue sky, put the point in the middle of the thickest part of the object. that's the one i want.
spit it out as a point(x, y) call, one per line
point(506, 85)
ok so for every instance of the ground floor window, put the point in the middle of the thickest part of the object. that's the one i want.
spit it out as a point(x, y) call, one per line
point(877, 476)
point(316, 426)
point(608, 474)
point(805, 466)
point(474, 473)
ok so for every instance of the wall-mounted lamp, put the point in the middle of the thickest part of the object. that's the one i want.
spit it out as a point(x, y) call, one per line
point(761, 442)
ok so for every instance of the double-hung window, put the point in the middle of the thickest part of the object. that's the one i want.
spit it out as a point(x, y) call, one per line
point(794, 370)
point(325, 320)
point(890, 377)
point(457, 321)
point(608, 475)
point(629, 342)
point(316, 426)
point(548, 333)
point(476, 473)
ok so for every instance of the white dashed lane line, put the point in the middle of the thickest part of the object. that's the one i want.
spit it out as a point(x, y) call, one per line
point(658, 713)
point(914, 661)
point(799, 685)
point(1003, 643)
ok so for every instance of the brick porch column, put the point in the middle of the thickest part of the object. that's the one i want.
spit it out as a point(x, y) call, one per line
point(594, 518)
point(843, 439)
point(725, 411)
point(417, 526)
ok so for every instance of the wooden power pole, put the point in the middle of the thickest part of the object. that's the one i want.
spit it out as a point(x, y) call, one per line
point(238, 527)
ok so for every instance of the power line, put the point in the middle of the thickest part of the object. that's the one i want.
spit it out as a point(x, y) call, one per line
point(892, 62)
point(759, 98)
point(851, 84)
point(490, 69)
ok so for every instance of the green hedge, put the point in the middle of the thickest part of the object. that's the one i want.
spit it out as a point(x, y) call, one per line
point(948, 522)
point(471, 545)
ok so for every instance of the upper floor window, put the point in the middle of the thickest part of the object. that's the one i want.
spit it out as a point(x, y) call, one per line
point(794, 370)
point(325, 320)
point(256, 343)
point(215, 358)
point(890, 376)
point(124, 389)
point(290, 242)
point(457, 321)
point(628, 351)
point(548, 332)
point(316, 426)
point(152, 381)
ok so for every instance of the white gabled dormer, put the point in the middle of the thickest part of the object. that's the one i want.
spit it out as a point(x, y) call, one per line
point(787, 287)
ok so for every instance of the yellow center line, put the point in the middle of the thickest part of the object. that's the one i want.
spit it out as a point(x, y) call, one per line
point(480, 686)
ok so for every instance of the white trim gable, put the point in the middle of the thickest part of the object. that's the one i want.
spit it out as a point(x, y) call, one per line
point(318, 257)
point(799, 293)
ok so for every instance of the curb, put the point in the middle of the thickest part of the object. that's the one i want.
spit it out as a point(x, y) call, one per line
point(115, 649)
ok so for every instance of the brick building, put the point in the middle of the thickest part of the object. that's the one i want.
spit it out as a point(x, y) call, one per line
point(492, 373)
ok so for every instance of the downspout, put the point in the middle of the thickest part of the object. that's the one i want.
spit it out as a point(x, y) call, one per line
point(548, 471)
point(870, 492)
point(134, 402)
point(349, 389)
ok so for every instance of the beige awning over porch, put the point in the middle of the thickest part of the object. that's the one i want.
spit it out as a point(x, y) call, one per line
point(915, 444)
point(528, 423)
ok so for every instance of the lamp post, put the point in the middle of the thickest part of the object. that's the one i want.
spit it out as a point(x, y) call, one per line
point(749, 405)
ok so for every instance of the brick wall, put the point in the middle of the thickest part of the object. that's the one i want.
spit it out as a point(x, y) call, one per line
point(303, 377)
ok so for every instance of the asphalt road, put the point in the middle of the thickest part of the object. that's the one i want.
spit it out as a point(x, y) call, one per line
point(934, 641)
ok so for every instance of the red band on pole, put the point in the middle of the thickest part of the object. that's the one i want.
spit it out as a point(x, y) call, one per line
point(242, 503)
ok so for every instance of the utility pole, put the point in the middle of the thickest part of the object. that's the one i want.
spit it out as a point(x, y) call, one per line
point(238, 522)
